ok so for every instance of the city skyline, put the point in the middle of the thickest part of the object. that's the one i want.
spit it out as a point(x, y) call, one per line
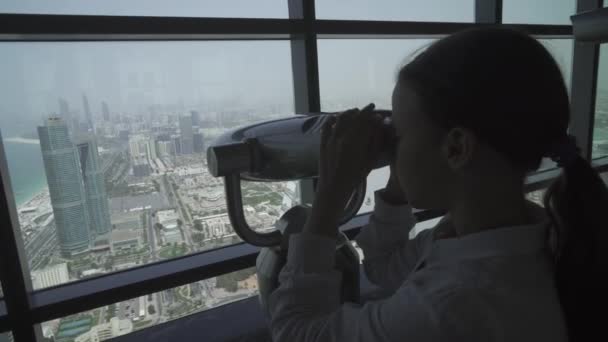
point(146, 76)
point(133, 87)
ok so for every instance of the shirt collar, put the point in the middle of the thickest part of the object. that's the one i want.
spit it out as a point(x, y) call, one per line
point(502, 241)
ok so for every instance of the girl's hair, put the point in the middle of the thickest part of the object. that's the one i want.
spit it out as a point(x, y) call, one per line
point(506, 87)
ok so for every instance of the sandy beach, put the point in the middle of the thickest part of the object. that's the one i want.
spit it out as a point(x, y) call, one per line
point(39, 199)
point(23, 140)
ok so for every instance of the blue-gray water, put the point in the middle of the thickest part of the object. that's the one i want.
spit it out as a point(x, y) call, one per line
point(26, 169)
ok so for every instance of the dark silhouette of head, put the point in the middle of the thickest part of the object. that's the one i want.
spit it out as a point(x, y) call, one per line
point(476, 112)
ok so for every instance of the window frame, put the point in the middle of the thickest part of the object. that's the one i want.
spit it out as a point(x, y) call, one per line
point(22, 309)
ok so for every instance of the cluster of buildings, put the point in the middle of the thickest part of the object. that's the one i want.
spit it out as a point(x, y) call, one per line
point(159, 189)
point(216, 226)
point(147, 149)
point(50, 276)
point(105, 331)
point(171, 232)
point(75, 177)
point(127, 238)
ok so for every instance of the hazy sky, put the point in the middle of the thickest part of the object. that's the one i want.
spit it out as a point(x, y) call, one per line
point(537, 11)
point(131, 76)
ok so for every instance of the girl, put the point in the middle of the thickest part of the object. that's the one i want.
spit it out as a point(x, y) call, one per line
point(474, 114)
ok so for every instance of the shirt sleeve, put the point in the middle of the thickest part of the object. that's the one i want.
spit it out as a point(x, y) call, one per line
point(389, 255)
point(306, 305)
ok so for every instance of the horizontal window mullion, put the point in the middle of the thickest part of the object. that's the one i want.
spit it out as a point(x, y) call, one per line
point(34, 24)
point(352, 28)
point(60, 37)
point(64, 300)
point(28, 27)
point(601, 164)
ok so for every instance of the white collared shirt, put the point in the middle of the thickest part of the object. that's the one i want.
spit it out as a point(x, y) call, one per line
point(495, 285)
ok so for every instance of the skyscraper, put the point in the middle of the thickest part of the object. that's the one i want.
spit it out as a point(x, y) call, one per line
point(199, 146)
point(62, 168)
point(142, 146)
point(196, 119)
point(94, 187)
point(165, 148)
point(135, 145)
point(141, 168)
point(87, 111)
point(64, 110)
point(152, 153)
point(66, 115)
point(177, 142)
point(105, 111)
point(185, 127)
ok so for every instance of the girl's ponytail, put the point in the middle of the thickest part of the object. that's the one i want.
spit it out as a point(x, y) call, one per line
point(577, 202)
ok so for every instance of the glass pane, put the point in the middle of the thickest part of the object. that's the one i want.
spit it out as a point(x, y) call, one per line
point(367, 75)
point(546, 12)
point(142, 312)
point(176, 8)
point(600, 134)
point(105, 144)
point(397, 10)
point(562, 50)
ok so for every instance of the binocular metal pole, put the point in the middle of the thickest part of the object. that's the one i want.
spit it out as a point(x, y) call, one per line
point(234, 199)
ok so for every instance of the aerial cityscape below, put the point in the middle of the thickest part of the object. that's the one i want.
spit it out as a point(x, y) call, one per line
point(124, 191)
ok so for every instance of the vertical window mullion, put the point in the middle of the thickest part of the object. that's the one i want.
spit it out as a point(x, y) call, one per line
point(14, 270)
point(305, 67)
point(584, 83)
point(488, 11)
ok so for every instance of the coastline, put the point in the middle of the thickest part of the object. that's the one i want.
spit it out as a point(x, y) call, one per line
point(43, 193)
point(29, 183)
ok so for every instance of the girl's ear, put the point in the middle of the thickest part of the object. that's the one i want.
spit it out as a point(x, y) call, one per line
point(458, 147)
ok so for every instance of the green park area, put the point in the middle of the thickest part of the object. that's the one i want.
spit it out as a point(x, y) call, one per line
point(255, 193)
point(173, 251)
point(141, 324)
point(229, 281)
point(257, 198)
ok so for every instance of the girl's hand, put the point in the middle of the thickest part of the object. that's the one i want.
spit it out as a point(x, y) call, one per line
point(350, 145)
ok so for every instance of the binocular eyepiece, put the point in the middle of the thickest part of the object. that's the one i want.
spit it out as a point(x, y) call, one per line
point(282, 150)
